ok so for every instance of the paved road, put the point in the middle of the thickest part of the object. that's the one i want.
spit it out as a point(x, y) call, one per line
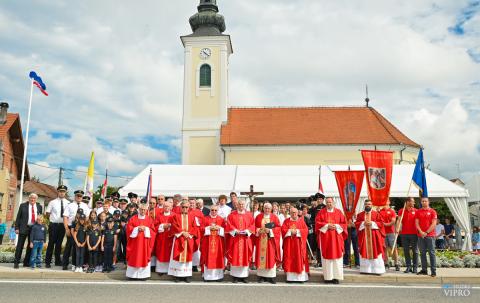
point(155, 291)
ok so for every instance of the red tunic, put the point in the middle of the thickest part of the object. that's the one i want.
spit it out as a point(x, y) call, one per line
point(163, 241)
point(295, 257)
point(183, 247)
point(139, 249)
point(267, 252)
point(240, 246)
point(332, 242)
point(213, 252)
point(177, 209)
point(370, 241)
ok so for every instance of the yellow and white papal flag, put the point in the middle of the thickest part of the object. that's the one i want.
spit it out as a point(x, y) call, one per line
point(88, 189)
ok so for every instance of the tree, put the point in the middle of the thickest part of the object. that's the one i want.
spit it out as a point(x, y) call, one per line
point(98, 192)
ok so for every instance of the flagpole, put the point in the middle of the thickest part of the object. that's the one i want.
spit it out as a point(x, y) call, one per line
point(397, 230)
point(26, 143)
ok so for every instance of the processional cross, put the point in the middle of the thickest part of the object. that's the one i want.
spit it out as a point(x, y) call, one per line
point(251, 194)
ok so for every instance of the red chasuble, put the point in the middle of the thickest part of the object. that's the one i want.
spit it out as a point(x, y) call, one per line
point(183, 247)
point(163, 241)
point(240, 246)
point(267, 252)
point(213, 245)
point(332, 242)
point(295, 257)
point(198, 217)
point(370, 241)
point(139, 249)
point(177, 209)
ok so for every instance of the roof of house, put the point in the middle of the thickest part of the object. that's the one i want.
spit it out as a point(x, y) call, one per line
point(310, 126)
point(14, 128)
point(40, 189)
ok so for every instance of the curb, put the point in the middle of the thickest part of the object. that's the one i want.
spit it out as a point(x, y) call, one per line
point(315, 277)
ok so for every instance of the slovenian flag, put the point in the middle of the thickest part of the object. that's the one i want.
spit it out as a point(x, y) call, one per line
point(37, 81)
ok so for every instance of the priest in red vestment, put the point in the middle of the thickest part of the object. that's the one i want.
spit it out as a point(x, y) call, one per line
point(213, 246)
point(267, 238)
point(184, 232)
point(331, 230)
point(163, 241)
point(198, 216)
point(154, 212)
point(240, 226)
point(141, 237)
point(371, 236)
point(295, 257)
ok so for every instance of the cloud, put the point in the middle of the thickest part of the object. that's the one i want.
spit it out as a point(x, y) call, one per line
point(116, 87)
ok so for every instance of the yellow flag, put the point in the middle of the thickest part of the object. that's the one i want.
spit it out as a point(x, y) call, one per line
point(89, 179)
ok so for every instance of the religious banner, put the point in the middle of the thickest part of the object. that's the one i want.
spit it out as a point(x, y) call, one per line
point(349, 185)
point(378, 168)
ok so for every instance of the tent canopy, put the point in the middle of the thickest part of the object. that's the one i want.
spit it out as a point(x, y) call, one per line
point(274, 181)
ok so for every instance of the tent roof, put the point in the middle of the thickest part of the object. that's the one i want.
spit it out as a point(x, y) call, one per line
point(274, 181)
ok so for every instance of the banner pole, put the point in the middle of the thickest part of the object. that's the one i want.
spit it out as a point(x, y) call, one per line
point(397, 227)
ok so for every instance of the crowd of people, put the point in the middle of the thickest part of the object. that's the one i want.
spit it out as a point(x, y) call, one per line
point(179, 235)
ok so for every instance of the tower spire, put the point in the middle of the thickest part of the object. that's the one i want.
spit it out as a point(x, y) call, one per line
point(367, 100)
point(207, 22)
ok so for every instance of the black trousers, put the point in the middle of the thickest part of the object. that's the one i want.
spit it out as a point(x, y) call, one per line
point(108, 257)
point(69, 250)
point(410, 244)
point(92, 258)
point(19, 249)
point(56, 233)
point(1, 239)
point(80, 252)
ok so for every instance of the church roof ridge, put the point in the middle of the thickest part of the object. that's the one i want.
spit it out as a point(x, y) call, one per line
point(300, 107)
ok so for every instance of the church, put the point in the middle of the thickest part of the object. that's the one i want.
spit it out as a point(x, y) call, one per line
point(213, 133)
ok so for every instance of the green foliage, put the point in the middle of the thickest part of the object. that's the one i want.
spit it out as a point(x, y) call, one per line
point(110, 190)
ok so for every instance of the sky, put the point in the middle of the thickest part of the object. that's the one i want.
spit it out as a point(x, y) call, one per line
point(114, 72)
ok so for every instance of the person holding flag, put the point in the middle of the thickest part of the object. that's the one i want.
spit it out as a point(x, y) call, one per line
point(371, 236)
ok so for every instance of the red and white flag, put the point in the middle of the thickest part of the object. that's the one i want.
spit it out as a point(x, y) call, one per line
point(378, 168)
point(105, 185)
point(349, 185)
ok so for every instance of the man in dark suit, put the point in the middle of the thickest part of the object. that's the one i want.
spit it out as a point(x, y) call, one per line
point(233, 201)
point(28, 213)
point(205, 211)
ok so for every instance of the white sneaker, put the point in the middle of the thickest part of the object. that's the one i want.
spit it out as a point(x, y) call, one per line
point(73, 268)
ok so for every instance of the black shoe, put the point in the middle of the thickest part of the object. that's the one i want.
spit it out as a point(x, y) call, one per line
point(176, 280)
point(422, 272)
point(188, 280)
point(152, 268)
point(406, 271)
point(65, 267)
point(15, 266)
point(328, 281)
point(244, 281)
point(433, 275)
point(397, 267)
point(272, 281)
point(235, 280)
point(261, 280)
point(335, 281)
point(195, 269)
point(414, 271)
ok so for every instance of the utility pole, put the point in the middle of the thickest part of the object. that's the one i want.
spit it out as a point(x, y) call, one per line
point(60, 176)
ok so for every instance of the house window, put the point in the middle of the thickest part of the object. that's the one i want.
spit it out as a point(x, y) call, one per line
point(205, 76)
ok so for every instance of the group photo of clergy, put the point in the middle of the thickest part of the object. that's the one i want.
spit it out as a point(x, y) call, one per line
point(179, 235)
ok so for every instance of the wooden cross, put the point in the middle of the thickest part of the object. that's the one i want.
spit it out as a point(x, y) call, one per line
point(251, 194)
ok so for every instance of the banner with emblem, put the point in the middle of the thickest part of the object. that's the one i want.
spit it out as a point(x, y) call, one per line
point(349, 185)
point(378, 169)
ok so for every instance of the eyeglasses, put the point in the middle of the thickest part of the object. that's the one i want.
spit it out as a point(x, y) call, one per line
point(185, 207)
point(213, 210)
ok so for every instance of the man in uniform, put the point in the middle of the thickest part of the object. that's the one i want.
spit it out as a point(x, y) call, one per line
point(68, 218)
point(56, 230)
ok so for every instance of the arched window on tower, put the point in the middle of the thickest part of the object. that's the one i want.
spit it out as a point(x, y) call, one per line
point(205, 76)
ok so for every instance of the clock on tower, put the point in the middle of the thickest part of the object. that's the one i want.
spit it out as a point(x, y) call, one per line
point(205, 94)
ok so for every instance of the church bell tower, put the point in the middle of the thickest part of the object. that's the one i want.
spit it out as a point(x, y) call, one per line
point(205, 90)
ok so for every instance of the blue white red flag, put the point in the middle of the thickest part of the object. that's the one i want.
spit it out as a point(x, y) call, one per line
point(37, 81)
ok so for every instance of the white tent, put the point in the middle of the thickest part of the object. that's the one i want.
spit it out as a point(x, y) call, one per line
point(288, 182)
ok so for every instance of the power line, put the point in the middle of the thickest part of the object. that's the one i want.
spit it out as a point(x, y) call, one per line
point(65, 169)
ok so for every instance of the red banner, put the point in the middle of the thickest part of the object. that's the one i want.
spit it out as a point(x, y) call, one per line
point(378, 168)
point(349, 185)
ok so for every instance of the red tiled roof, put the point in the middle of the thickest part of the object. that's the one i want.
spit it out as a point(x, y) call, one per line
point(13, 126)
point(309, 126)
point(40, 189)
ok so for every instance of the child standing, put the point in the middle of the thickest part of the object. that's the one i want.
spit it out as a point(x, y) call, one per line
point(38, 234)
point(93, 242)
point(80, 238)
point(12, 235)
point(109, 245)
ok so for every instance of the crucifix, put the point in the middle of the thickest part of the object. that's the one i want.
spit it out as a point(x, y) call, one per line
point(251, 194)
